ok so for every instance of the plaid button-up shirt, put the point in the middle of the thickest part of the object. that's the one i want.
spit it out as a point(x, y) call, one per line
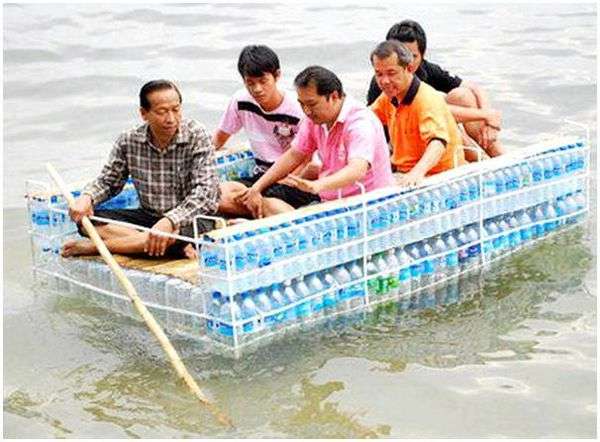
point(178, 182)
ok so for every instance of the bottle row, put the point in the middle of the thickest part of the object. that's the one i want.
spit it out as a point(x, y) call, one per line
point(396, 272)
point(434, 267)
point(50, 218)
point(236, 165)
point(337, 236)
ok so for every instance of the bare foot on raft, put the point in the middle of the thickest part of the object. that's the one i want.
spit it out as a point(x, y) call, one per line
point(190, 252)
point(78, 247)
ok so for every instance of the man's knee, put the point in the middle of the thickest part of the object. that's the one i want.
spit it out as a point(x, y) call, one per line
point(275, 206)
point(229, 190)
point(461, 96)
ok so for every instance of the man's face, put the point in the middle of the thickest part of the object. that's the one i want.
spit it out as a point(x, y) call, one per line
point(413, 47)
point(391, 78)
point(263, 89)
point(164, 114)
point(320, 109)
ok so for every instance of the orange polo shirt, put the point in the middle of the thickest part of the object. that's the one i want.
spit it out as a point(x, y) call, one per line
point(420, 117)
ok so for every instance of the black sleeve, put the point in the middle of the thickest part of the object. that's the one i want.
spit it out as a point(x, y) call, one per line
point(374, 92)
point(441, 80)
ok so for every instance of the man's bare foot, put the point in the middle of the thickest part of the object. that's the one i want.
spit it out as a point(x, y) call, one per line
point(190, 252)
point(234, 221)
point(78, 247)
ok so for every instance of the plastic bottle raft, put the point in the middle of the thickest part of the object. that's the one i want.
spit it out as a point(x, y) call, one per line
point(263, 277)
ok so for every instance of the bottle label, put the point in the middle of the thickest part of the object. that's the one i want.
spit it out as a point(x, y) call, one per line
point(277, 249)
point(226, 330)
point(404, 274)
point(303, 310)
point(240, 262)
point(415, 270)
point(452, 259)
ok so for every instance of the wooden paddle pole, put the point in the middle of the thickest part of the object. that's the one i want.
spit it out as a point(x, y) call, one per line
point(139, 305)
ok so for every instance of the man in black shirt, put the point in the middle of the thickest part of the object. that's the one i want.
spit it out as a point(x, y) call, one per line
point(468, 102)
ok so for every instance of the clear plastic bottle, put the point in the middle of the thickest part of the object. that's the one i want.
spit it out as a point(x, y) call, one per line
point(214, 311)
point(303, 310)
point(264, 306)
point(315, 286)
point(228, 315)
point(250, 315)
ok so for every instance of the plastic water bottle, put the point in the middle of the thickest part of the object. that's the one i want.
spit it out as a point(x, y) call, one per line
point(474, 250)
point(315, 285)
point(489, 184)
point(289, 298)
point(438, 247)
point(277, 316)
point(355, 270)
point(403, 211)
point(249, 314)
point(416, 267)
point(264, 306)
point(329, 228)
point(452, 259)
point(550, 213)
point(473, 188)
point(210, 258)
point(303, 311)
point(264, 250)
point(489, 246)
point(527, 229)
point(558, 167)
point(503, 241)
point(229, 314)
point(514, 237)
point(301, 233)
point(277, 243)
point(548, 168)
point(537, 171)
point(463, 192)
point(239, 258)
point(500, 181)
point(329, 297)
point(463, 254)
point(404, 276)
point(414, 208)
point(341, 233)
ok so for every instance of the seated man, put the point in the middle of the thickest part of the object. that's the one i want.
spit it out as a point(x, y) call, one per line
point(347, 136)
point(468, 102)
point(423, 133)
point(270, 118)
point(172, 165)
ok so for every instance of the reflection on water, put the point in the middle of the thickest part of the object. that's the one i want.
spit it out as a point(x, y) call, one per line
point(514, 356)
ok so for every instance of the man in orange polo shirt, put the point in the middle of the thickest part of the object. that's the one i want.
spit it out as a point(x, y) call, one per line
point(424, 135)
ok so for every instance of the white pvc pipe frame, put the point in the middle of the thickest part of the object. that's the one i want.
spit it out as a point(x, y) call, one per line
point(364, 280)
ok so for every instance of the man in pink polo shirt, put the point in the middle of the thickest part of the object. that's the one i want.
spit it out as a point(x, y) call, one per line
point(348, 137)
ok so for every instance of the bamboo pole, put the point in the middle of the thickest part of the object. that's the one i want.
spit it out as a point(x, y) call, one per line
point(155, 328)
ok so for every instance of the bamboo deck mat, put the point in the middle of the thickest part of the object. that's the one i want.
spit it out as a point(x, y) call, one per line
point(185, 269)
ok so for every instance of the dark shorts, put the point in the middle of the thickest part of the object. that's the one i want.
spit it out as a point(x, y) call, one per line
point(144, 218)
point(294, 197)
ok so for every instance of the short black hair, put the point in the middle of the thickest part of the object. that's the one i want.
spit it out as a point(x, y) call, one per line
point(408, 31)
point(323, 79)
point(387, 48)
point(257, 60)
point(156, 85)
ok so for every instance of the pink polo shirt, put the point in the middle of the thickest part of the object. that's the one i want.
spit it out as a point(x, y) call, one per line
point(269, 133)
point(357, 133)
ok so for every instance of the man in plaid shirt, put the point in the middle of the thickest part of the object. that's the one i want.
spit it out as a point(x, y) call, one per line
point(171, 162)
